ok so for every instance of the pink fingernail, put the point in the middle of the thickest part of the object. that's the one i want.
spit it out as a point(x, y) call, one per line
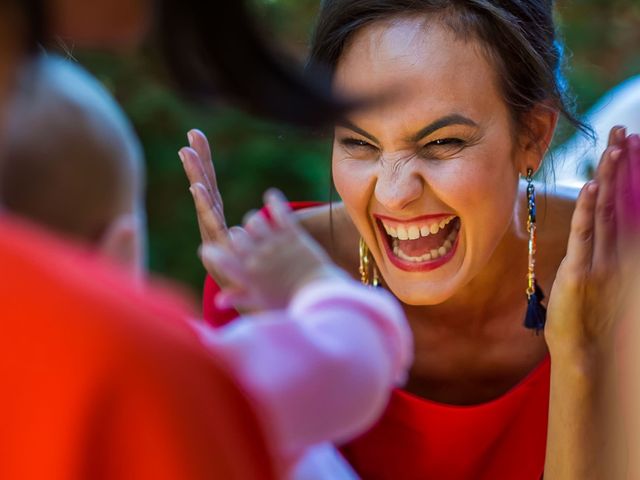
point(181, 156)
point(190, 138)
point(592, 187)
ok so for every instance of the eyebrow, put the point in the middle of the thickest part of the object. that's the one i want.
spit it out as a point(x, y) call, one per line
point(351, 126)
point(454, 119)
point(448, 120)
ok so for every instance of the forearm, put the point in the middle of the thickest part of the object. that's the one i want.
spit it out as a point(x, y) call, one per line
point(584, 437)
point(322, 369)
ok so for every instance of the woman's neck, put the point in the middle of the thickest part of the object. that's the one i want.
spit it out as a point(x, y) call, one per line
point(497, 289)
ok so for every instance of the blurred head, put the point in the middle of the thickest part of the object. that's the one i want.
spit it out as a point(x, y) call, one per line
point(73, 161)
point(99, 23)
point(430, 176)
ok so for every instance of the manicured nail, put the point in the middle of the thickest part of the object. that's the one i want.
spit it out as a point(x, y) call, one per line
point(190, 138)
point(181, 155)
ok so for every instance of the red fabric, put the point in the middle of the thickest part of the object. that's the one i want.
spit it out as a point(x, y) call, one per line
point(504, 439)
point(103, 381)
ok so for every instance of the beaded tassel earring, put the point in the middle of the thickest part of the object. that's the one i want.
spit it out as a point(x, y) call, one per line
point(536, 312)
point(368, 270)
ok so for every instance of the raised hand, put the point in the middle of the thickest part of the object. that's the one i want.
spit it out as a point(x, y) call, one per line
point(588, 291)
point(197, 164)
point(587, 303)
point(268, 260)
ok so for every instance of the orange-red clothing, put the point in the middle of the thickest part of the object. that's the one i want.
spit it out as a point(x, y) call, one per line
point(102, 382)
point(504, 439)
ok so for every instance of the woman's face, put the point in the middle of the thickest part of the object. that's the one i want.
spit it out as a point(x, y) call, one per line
point(429, 176)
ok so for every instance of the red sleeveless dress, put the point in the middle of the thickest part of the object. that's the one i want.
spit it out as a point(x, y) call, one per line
point(504, 439)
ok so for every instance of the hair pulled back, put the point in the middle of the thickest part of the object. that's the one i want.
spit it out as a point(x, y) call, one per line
point(518, 35)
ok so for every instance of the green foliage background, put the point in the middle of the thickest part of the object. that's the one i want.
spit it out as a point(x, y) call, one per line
point(603, 43)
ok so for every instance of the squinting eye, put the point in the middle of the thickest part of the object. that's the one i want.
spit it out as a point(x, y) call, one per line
point(355, 142)
point(442, 148)
point(446, 141)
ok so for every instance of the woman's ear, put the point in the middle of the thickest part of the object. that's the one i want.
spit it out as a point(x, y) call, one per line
point(539, 125)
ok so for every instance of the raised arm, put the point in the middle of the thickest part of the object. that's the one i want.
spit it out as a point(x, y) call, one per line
point(585, 437)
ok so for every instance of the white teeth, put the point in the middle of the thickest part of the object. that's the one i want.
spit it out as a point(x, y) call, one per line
point(413, 232)
point(432, 255)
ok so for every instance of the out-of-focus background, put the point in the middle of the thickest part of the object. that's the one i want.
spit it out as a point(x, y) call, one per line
point(602, 39)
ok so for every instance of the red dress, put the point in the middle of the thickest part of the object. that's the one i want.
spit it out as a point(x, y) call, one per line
point(504, 439)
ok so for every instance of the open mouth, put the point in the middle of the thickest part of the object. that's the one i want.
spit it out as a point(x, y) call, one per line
point(421, 244)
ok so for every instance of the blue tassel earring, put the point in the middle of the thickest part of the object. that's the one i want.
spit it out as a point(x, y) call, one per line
point(536, 312)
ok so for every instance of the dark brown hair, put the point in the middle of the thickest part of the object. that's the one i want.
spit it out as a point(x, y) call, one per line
point(215, 50)
point(518, 35)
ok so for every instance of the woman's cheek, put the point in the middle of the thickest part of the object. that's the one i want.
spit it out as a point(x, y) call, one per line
point(353, 180)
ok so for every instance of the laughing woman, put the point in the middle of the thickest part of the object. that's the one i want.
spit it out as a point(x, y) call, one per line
point(439, 207)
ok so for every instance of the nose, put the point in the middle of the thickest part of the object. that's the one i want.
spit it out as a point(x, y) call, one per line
point(397, 186)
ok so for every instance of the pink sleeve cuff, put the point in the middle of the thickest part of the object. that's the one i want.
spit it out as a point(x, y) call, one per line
point(323, 369)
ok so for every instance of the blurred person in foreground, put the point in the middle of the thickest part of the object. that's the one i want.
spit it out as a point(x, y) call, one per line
point(101, 380)
point(104, 380)
point(296, 360)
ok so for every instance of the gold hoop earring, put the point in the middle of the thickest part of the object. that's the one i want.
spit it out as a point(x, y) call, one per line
point(368, 270)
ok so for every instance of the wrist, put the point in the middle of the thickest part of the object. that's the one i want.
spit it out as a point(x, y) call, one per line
point(581, 364)
point(324, 273)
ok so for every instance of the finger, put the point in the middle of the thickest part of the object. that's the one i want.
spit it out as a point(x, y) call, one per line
point(194, 170)
point(633, 154)
point(628, 194)
point(248, 215)
point(240, 241)
point(258, 226)
point(580, 245)
point(224, 260)
point(604, 251)
point(279, 208)
point(617, 134)
point(212, 224)
point(200, 144)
